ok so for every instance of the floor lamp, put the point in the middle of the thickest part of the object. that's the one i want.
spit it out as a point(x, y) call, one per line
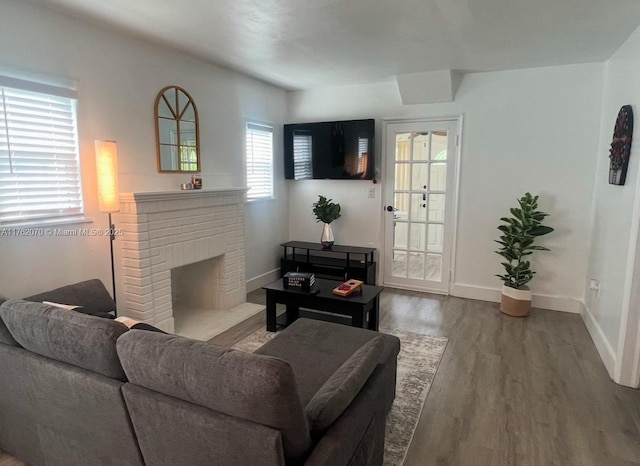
point(108, 194)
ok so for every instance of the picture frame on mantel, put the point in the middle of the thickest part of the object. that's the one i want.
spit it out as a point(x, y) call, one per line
point(621, 146)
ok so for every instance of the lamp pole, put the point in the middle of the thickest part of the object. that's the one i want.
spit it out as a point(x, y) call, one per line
point(112, 237)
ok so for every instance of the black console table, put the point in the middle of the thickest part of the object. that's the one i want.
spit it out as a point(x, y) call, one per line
point(337, 263)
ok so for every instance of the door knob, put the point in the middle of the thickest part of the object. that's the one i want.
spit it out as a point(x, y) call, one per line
point(389, 208)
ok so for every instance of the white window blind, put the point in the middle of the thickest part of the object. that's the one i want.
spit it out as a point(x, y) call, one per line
point(39, 163)
point(259, 156)
point(302, 155)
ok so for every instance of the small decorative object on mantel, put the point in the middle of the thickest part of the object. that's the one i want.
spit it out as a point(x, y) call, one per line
point(621, 146)
point(519, 233)
point(326, 212)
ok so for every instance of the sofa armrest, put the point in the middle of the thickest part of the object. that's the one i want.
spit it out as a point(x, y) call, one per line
point(357, 436)
point(342, 387)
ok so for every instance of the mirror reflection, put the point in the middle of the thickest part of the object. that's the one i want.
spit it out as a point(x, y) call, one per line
point(177, 137)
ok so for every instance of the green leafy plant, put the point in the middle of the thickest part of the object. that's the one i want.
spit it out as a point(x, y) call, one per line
point(519, 233)
point(325, 210)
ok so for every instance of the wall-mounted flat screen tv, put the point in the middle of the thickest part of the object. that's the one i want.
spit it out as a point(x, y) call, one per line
point(334, 150)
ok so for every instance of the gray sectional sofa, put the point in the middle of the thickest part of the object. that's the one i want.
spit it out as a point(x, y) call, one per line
point(77, 389)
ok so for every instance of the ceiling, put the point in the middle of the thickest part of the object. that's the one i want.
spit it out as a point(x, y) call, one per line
point(304, 44)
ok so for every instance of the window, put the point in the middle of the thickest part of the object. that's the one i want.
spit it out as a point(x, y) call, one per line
point(259, 155)
point(39, 163)
point(302, 155)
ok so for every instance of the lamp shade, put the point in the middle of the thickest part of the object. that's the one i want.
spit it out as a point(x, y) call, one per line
point(107, 173)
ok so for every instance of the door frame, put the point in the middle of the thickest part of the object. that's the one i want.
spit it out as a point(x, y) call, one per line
point(458, 119)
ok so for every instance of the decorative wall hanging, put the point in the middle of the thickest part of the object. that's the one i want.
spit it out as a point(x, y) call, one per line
point(177, 132)
point(621, 146)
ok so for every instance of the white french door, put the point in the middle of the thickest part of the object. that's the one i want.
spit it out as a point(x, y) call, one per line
point(421, 159)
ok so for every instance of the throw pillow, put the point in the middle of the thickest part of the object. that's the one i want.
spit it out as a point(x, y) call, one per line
point(341, 388)
point(66, 307)
point(71, 307)
point(137, 325)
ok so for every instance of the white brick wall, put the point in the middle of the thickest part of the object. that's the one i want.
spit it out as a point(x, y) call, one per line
point(166, 230)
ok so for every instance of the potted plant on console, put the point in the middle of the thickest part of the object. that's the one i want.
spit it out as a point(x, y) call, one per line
point(326, 212)
point(519, 233)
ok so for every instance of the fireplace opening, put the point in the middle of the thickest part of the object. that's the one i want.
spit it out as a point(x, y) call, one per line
point(195, 287)
point(201, 302)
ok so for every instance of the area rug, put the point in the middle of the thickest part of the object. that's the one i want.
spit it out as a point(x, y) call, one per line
point(418, 362)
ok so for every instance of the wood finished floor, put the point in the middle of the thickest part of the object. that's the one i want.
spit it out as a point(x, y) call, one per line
point(508, 391)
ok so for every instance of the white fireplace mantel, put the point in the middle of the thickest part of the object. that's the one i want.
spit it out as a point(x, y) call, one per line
point(151, 196)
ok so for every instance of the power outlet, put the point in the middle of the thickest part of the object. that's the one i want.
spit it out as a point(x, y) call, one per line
point(594, 285)
point(371, 193)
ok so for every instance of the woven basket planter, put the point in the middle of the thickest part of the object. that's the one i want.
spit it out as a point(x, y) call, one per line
point(516, 303)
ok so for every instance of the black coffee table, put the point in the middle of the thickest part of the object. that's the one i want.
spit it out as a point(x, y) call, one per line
point(359, 309)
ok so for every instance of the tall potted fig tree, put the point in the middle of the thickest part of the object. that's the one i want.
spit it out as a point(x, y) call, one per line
point(517, 243)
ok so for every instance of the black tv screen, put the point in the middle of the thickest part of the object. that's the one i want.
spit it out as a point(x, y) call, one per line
point(335, 150)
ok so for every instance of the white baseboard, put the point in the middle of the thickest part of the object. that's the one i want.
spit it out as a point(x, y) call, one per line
point(475, 292)
point(605, 350)
point(553, 303)
point(262, 280)
point(557, 303)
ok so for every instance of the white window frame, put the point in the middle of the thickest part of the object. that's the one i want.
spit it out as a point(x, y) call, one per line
point(40, 174)
point(255, 162)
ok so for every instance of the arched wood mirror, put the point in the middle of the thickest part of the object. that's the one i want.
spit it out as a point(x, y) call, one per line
point(177, 134)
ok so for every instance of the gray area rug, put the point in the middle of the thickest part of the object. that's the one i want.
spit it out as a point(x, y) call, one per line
point(417, 364)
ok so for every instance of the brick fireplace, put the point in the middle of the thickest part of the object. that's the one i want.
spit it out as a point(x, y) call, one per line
point(164, 231)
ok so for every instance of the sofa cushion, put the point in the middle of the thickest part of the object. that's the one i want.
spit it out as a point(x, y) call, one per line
point(328, 345)
point(78, 339)
point(257, 388)
point(342, 387)
point(171, 432)
point(5, 335)
point(91, 295)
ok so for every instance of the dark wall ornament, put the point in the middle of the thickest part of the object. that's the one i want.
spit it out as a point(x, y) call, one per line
point(621, 146)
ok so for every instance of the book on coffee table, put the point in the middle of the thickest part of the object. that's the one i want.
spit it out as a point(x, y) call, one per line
point(302, 280)
point(348, 287)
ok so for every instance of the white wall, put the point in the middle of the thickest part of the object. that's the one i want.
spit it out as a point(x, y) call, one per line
point(117, 78)
point(526, 130)
point(615, 218)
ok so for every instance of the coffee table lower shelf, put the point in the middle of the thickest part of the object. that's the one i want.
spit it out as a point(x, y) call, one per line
point(283, 319)
point(360, 309)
